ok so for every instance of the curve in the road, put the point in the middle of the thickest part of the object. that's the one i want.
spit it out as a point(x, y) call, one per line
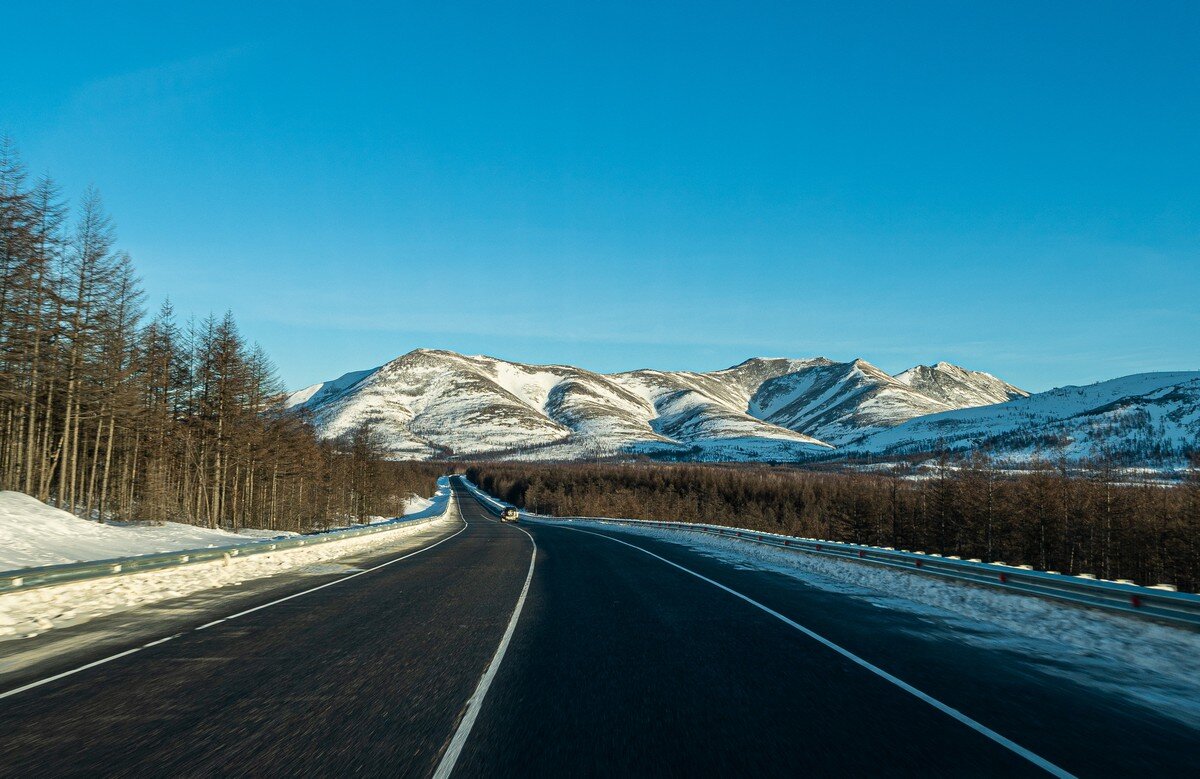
point(276, 602)
point(490, 654)
point(371, 678)
point(471, 713)
point(1007, 743)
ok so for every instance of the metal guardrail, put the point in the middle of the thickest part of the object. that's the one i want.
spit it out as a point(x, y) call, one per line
point(47, 575)
point(1158, 602)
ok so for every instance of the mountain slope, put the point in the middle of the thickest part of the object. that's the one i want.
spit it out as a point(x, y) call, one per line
point(431, 403)
point(1147, 417)
point(959, 387)
point(840, 402)
point(708, 411)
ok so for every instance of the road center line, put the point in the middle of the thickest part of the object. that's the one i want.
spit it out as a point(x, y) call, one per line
point(136, 649)
point(475, 703)
point(978, 727)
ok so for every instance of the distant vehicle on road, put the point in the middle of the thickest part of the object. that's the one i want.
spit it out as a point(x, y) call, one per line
point(509, 515)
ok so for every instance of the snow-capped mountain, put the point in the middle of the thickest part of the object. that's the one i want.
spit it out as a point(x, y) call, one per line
point(1144, 418)
point(841, 402)
point(958, 386)
point(709, 412)
point(432, 403)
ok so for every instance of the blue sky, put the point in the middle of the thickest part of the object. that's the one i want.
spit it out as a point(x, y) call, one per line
point(1011, 186)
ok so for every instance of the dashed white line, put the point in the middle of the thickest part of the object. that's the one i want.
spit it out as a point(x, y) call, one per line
point(978, 727)
point(64, 674)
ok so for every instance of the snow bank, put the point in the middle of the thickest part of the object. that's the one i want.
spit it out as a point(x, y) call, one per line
point(1148, 662)
point(415, 504)
point(34, 534)
point(26, 613)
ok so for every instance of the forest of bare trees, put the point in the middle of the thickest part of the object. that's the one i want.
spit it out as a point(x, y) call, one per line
point(109, 414)
point(1095, 522)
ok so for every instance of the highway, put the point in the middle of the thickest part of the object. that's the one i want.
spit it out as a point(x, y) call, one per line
point(538, 650)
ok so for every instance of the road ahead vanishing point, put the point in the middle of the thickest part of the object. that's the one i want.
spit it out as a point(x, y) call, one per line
point(485, 649)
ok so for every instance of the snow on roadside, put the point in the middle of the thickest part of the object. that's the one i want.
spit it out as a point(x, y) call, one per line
point(25, 613)
point(415, 504)
point(34, 534)
point(253, 532)
point(1152, 663)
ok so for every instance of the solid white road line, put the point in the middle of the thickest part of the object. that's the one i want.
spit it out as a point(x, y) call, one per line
point(128, 652)
point(450, 758)
point(336, 581)
point(1008, 744)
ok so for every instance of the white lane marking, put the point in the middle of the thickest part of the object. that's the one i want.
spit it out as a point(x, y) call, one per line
point(335, 581)
point(161, 641)
point(56, 677)
point(128, 652)
point(475, 703)
point(978, 727)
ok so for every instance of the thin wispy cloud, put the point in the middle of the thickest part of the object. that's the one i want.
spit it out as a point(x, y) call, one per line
point(169, 79)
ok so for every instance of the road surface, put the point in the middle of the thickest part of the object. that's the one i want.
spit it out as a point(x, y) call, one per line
point(601, 653)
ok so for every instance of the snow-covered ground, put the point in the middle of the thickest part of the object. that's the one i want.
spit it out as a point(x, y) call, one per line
point(1148, 662)
point(34, 534)
point(29, 612)
point(430, 403)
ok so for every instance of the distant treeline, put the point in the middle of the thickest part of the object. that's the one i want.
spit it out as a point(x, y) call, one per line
point(108, 415)
point(1046, 517)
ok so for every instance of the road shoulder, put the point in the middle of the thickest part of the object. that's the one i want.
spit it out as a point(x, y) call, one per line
point(59, 649)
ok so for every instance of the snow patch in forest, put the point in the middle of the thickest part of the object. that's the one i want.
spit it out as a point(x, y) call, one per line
point(416, 504)
point(1149, 662)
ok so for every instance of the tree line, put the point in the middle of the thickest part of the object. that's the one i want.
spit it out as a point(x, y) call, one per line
point(1047, 516)
point(109, 413)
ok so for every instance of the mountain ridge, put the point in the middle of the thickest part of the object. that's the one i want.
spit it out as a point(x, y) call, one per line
point(1143, 418)
point(432, 403)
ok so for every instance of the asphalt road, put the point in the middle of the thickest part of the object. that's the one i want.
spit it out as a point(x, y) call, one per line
point(613, 661)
